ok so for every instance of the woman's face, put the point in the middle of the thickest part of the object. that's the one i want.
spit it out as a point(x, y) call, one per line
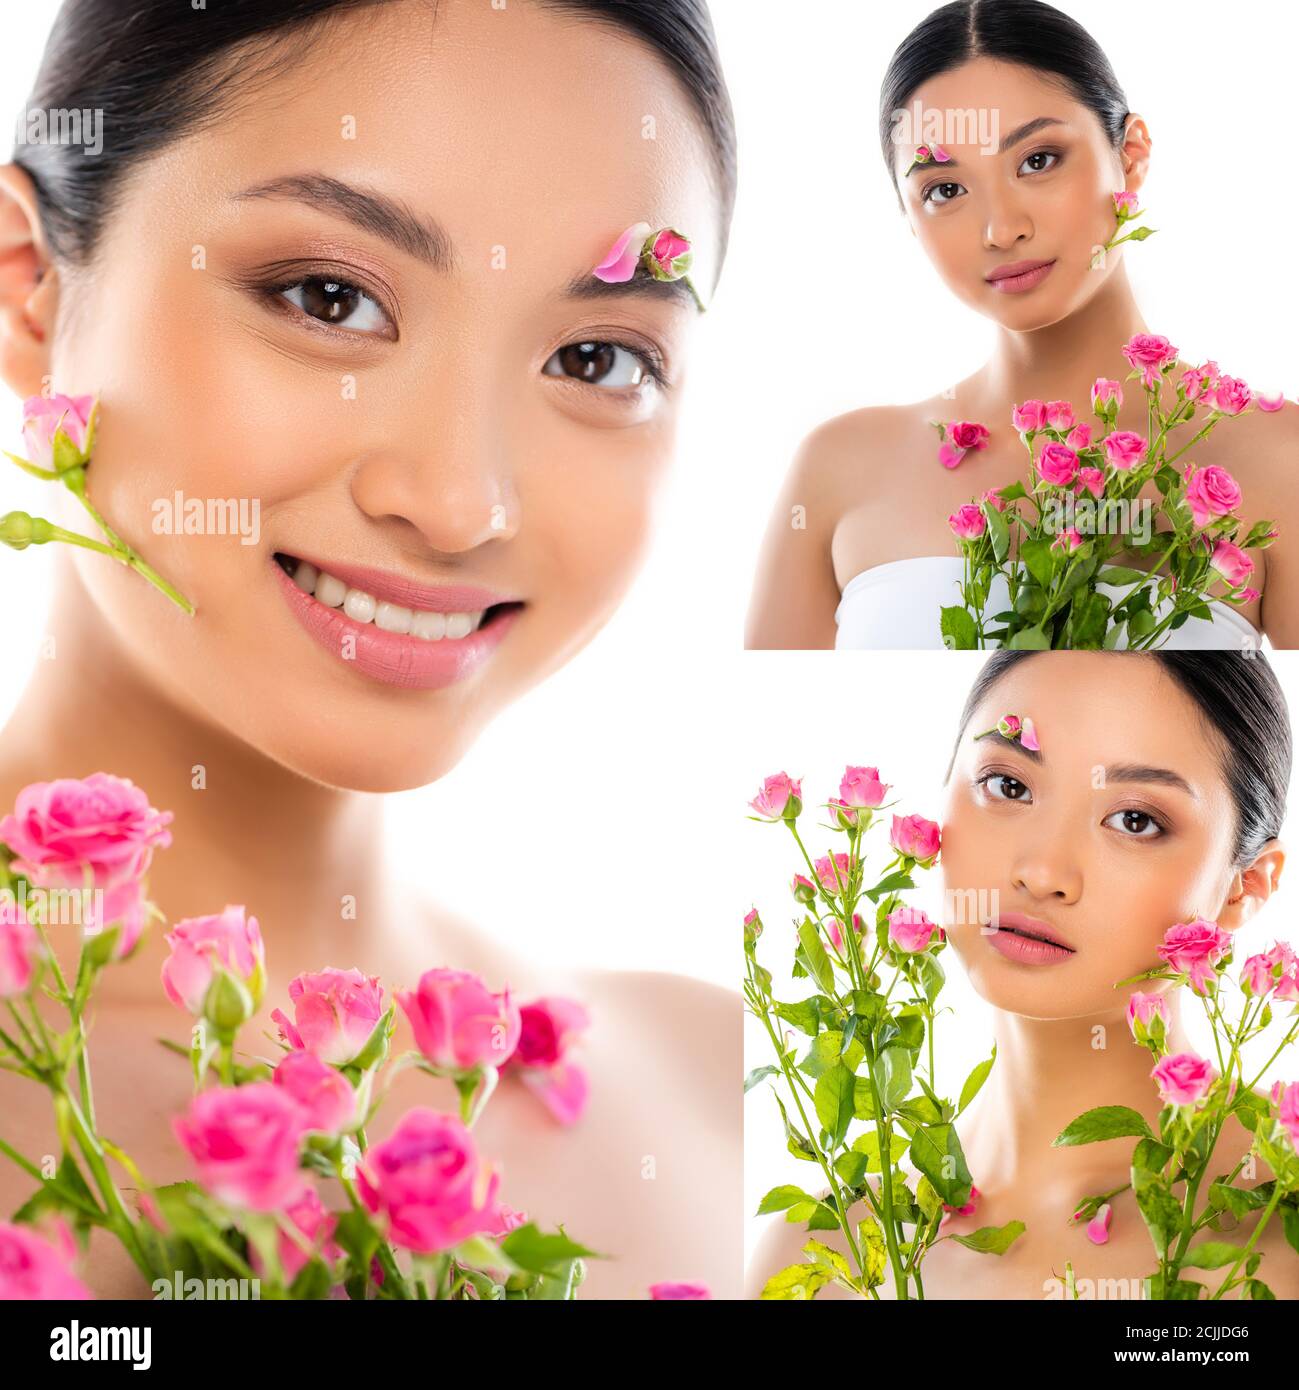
point(1121, 828)
point(404, 402)
point(1029, 186)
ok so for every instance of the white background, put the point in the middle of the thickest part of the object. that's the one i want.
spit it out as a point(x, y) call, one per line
point(826, 305)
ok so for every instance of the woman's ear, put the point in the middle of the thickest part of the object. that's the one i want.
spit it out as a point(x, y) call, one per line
point(1134, 153)
point(1252, 887)
point(28, 287)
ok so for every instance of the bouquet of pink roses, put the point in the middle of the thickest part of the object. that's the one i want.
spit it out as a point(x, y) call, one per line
point(271, 1138)
point(870, 1057)
point(1171, 1169)
point(1054, 541)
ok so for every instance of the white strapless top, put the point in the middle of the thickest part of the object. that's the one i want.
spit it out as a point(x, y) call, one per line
point(896, 606)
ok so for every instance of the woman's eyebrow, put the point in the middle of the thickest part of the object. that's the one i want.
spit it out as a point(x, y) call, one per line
point(1007, 141)
point(588, 286)
point(423, 238)
point(1013, 745)
point(1138, 772)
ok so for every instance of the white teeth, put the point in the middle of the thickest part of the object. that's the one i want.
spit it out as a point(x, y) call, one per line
point(330, 591)
point(390, 617)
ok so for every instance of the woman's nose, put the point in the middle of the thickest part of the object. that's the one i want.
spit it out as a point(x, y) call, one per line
point(1049, 870)
point(1006, 221)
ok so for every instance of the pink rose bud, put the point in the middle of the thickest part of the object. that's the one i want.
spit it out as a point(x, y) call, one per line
point(1229, 395)
point(679, 1292)
point(1059, 415)
point(1067, 541)
point(99, 832)
point(861, 786)
point(335, 1014)
point(1286, 1099)
point(1106, 392)
point(20, 947)
point(309, 1217)
point(551, 1029)
point(910, 930)
point(1126, 205)
point(968, 522)
point(622, 258)
point(1057, 464)
point(966, 434)
point(328, 1101)
point(1029, 416)
point(1183, 1078)
point(670, 255)
point(916, 838)
point(969, 1207)
point(1194, 949)
point(803, 889)
point(779, 799)
point(996, 499)
point(1098, 1228)
point(752, 931)
point(1080, 437)
point(842, 867)
point(1211, 492)
point(55, 431)
point(1231, 562)
point(1248, 595)
point(245, 1142)
point(199, 945)
point(1124, 449)
point(1091, 480)
point(33, 1268)
point(1149, 354)
point(459, 1024)
point(427, 1185)
point(1147, 1016)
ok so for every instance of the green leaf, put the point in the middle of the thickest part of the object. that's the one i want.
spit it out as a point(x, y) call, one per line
point(1031, 639)
point(758, 1075)
point(851, 1166)
point(958, 629)
point(1036, 555)
point(826, 1255)
point(863, 1102)
point(798, 1282)
point(312, 1282)
point(936, 1152)
point(1120, 575)
point(1104, 1122)
point(1159, 1209)
point(782, 1198)
point(974, 1082)
point(814, 953)
point(540, 1252)
point(1211, 1254)
point(868, 1146)
point(992, 1240)
point(833, 1099)
point(805, 1015)
point(998, 531)
point(874, 1250)
point(892, 1072)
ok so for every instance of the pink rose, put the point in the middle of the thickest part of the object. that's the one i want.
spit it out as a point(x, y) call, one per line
point(1182, 1078)
point(32, 1268)
point(679, 1292)
point(1068, 541)
point(1231, 562)
point(551, 1027)
point(995, 498)
point(916, 838)
point(316, 1224)
point(200, 944)
point(1142, 1010)
point(335, 1012)
point(773, 801)
point(1229, 395)
point(1211, 492)
point(98, 827)
point(245, 1141)
point(1286, 1099)
point(1098, 1228)
point(1091, 480)
point(1104, 391)
point(42, 418)
point(1193, 949)
point(1124, 449)
point(428, 1185)
point(1057, 464)
point(1125, 205)
point(861, 786)
point(968, 522)
point(1149, 354)
point(1080, 437)
point(960, 438)
point(1059, 415)
point(966, 1210)
point(670, 256)
point(910, 930)
point(1028, 416)
point(843, 866)
point(622, 258)
point(803, 888)
point(20, 947)
point(326, 1096)
point(459, 1024)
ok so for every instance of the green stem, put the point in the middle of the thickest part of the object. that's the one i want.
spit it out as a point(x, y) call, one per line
point(1258, 1231)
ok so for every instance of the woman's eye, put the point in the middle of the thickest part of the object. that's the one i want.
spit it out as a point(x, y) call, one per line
point(942, 192)
point(1035, 163)
point(1136, 825)
point(336, 303)
point(1011, 788)
point(599, 364)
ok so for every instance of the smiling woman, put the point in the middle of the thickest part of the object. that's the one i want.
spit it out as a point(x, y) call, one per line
point(335, 258)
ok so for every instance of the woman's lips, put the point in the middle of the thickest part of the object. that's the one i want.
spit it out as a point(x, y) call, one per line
point(398, 658)
point(1026, 940)
point(1018, 276)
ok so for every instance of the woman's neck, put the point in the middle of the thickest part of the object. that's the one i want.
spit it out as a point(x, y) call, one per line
point(1062, 360)
point(246, 830)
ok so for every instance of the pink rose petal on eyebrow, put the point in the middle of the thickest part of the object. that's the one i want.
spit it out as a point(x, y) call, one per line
point(1098, 1228)
point(941, 155)
point(1028, 735)
point(620, 262)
